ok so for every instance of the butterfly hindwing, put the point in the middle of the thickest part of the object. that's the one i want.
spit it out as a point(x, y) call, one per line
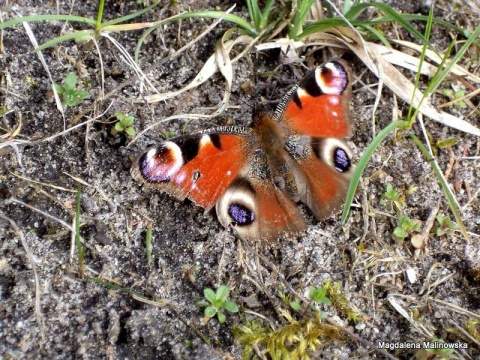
point(258, 208)
point(322, 168)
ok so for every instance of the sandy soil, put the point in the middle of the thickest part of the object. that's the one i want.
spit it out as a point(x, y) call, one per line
point(48, 311)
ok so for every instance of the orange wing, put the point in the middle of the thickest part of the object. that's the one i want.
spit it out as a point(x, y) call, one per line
point(318, 106)
point(199, 167)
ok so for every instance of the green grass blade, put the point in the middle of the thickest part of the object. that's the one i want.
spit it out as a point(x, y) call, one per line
point(424, 18)
point(117, 287)
point(355, 11)
point(321, 25)
point(77, 35)
point(428, 30)
point(299, 19)
point(444, 71)
point(101, 7)
point(255, 13)
point(129, 17)
point(446, 189)
point(200, 14)
point(266, 14)
point(363, 162)
point(378, 35)
point(33, 18)
point(148, 243)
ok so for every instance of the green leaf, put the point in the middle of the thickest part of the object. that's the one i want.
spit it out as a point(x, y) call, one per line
point(222, 293)
point(69, 100)
point(83, 94)
point(59, 88)
point(209, 295)
point(120, 116)
point(119, 127)
point(448, 93)
point(295, 305)
point(400, 232)
point(70, 81)
point(127, 120)
point(130, 131)
point(446, 143)
point(323, 315)
point(230, 306)
point(202, 303)
point(221, 317)
point(210, 311)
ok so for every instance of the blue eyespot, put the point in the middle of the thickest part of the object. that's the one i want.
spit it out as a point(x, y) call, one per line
point(341, 160)
point(241, 214)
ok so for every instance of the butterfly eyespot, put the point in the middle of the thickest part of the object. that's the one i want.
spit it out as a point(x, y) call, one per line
point(332, 78)
point(241, 215)
point(160, 164)
point(335, 153)
point(341, 160)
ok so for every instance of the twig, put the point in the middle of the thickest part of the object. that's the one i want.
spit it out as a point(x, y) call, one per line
point(31, 259)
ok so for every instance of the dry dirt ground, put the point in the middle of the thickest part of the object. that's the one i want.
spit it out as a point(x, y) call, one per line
point(47, 311)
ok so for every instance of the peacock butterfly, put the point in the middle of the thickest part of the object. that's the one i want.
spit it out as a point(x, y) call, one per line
point(254, 176)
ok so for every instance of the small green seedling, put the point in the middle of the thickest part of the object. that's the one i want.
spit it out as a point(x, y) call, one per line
point(392, 197)
point(454, 96)
point(318, 296)
point(167, 134)
point(125, 123)
point(407, 227)
point(68, 92)
point(440, 352)
point(446, 226)
point(295, 305)
point(190, 272)
point(217, 302)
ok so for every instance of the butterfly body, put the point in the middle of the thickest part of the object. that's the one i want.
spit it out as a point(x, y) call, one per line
point(254, 176)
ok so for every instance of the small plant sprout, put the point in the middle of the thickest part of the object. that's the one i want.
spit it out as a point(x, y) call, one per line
point(392, 196)
point(217, 302)
point(439, 352)
point(68, 92)
point(190, 272)
point(407, 227)
point(125, 124)
point(318, 296)
point(295, 305)
point(446, 226)
point(453, 96)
